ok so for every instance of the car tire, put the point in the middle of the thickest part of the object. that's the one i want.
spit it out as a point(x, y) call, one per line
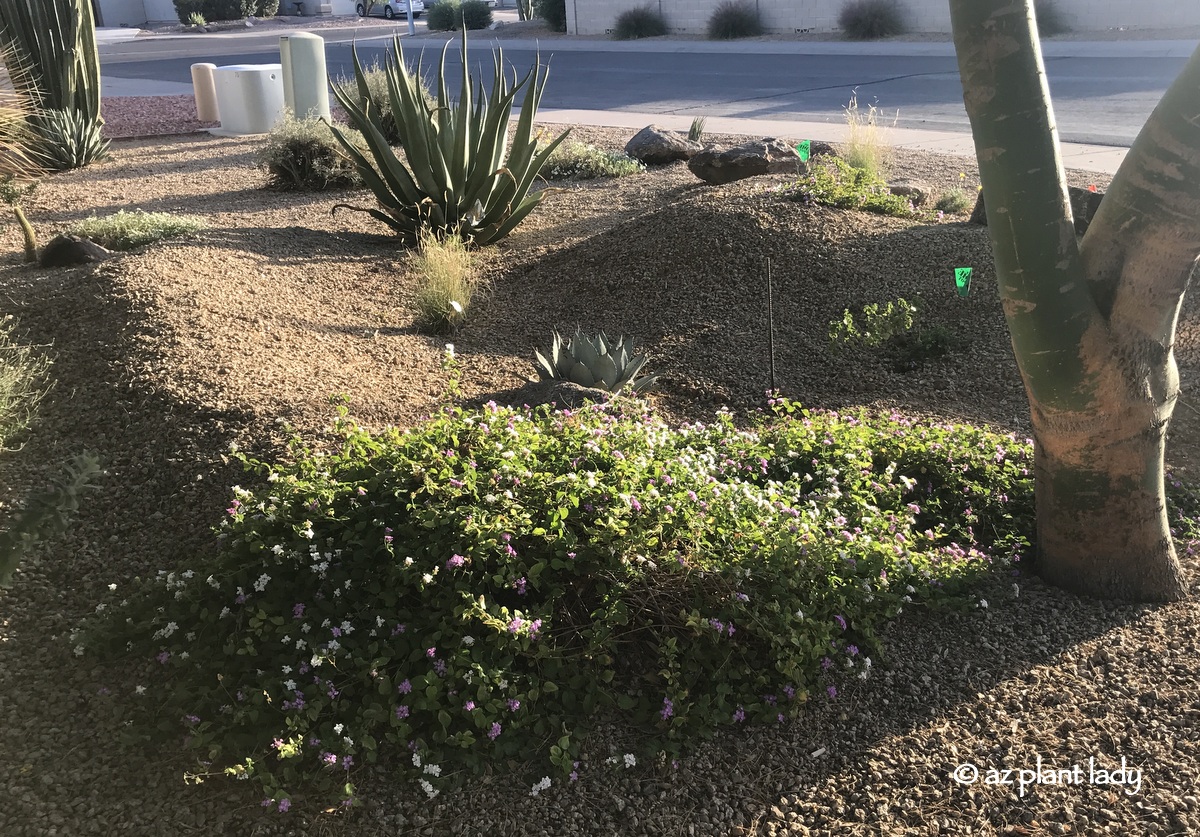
point(361, 9)
point(387, 11)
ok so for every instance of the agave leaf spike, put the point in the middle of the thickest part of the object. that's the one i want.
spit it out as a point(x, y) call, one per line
point(581, 375)
point(546, 370)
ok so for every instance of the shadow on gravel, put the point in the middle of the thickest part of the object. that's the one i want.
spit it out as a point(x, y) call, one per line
point(164, 486)
point(292, 245)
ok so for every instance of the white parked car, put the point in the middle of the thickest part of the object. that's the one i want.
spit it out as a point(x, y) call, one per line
point(390, 9)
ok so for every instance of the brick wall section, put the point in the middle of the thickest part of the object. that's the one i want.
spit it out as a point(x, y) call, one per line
point(596, 17)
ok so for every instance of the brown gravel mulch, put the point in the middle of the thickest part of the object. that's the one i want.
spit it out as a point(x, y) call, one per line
point(166, 355)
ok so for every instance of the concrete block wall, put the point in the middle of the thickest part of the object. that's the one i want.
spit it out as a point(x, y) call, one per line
point(597, 17)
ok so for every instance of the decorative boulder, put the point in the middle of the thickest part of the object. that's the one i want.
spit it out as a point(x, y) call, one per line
point(821, 149)
point(71, 250)
point(914, 191)
point(655, 146)
point(765, 156)
point(1084, 203)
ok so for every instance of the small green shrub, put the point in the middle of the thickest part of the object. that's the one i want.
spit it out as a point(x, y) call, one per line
point(581, 161)
point(896, 329)
point(554, 12)
point(834, 182)
point(476, 14)
point(954, 201)
point(445, 285)
point(445, 16)
point(453, 15)
point(1050, 21)
point(878, 324)
point(479, 592)
point(865, 20)
point(866, 144)
point(696, 130)
point(127, 230)
point(196, 19)
point(735, 19)
point(643, 22)
point(304, 155)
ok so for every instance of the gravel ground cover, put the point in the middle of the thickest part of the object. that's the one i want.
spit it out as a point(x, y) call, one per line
point(166, 355)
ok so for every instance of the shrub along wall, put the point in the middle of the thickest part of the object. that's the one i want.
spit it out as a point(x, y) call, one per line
point(596, 17)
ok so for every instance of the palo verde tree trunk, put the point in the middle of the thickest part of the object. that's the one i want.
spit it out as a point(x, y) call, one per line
point(1092, 323)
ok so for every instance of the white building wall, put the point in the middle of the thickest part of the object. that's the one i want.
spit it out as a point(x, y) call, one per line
point(116, 13)
point(159, 11)
point(597, 17)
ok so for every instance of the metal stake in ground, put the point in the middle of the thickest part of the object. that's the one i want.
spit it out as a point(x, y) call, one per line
point(770, 329)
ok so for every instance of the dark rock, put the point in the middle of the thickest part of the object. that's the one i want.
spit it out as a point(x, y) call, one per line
point(71, 250)
point(1084, 204)
point(821, 149)
point(765, 156)
point(911, 189)
point(656, 146)
point(564, 395)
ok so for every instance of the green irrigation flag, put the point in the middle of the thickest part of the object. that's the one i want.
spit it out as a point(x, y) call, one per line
point(962, 279)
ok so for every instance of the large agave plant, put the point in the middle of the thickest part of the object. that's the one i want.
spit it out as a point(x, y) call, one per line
point(458, 176)
point(594, 362)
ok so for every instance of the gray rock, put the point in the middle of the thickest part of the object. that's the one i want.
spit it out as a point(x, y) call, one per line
point(1084, 203)
point(916, 192)
point(656, 146)
point(71, 250)
point(765, 156)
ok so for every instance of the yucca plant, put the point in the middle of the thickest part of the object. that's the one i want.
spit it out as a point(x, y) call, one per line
point(56, 41)
point(458, 176)
point(594, 362)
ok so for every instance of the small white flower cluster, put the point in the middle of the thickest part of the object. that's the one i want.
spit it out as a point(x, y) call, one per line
point(262, 582)
point(166, 630)
point(430, 790)
point(544, 784)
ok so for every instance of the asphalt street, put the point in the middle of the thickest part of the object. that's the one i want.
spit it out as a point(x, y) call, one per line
point(1098, 99)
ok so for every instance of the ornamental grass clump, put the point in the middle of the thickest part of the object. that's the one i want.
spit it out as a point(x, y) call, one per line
point(459, 174)
point(445, 283)
point(866, 145)
point(478, 592)
point(127, 230)
point(867, 20)
point(735, 19)
point(642, 22)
